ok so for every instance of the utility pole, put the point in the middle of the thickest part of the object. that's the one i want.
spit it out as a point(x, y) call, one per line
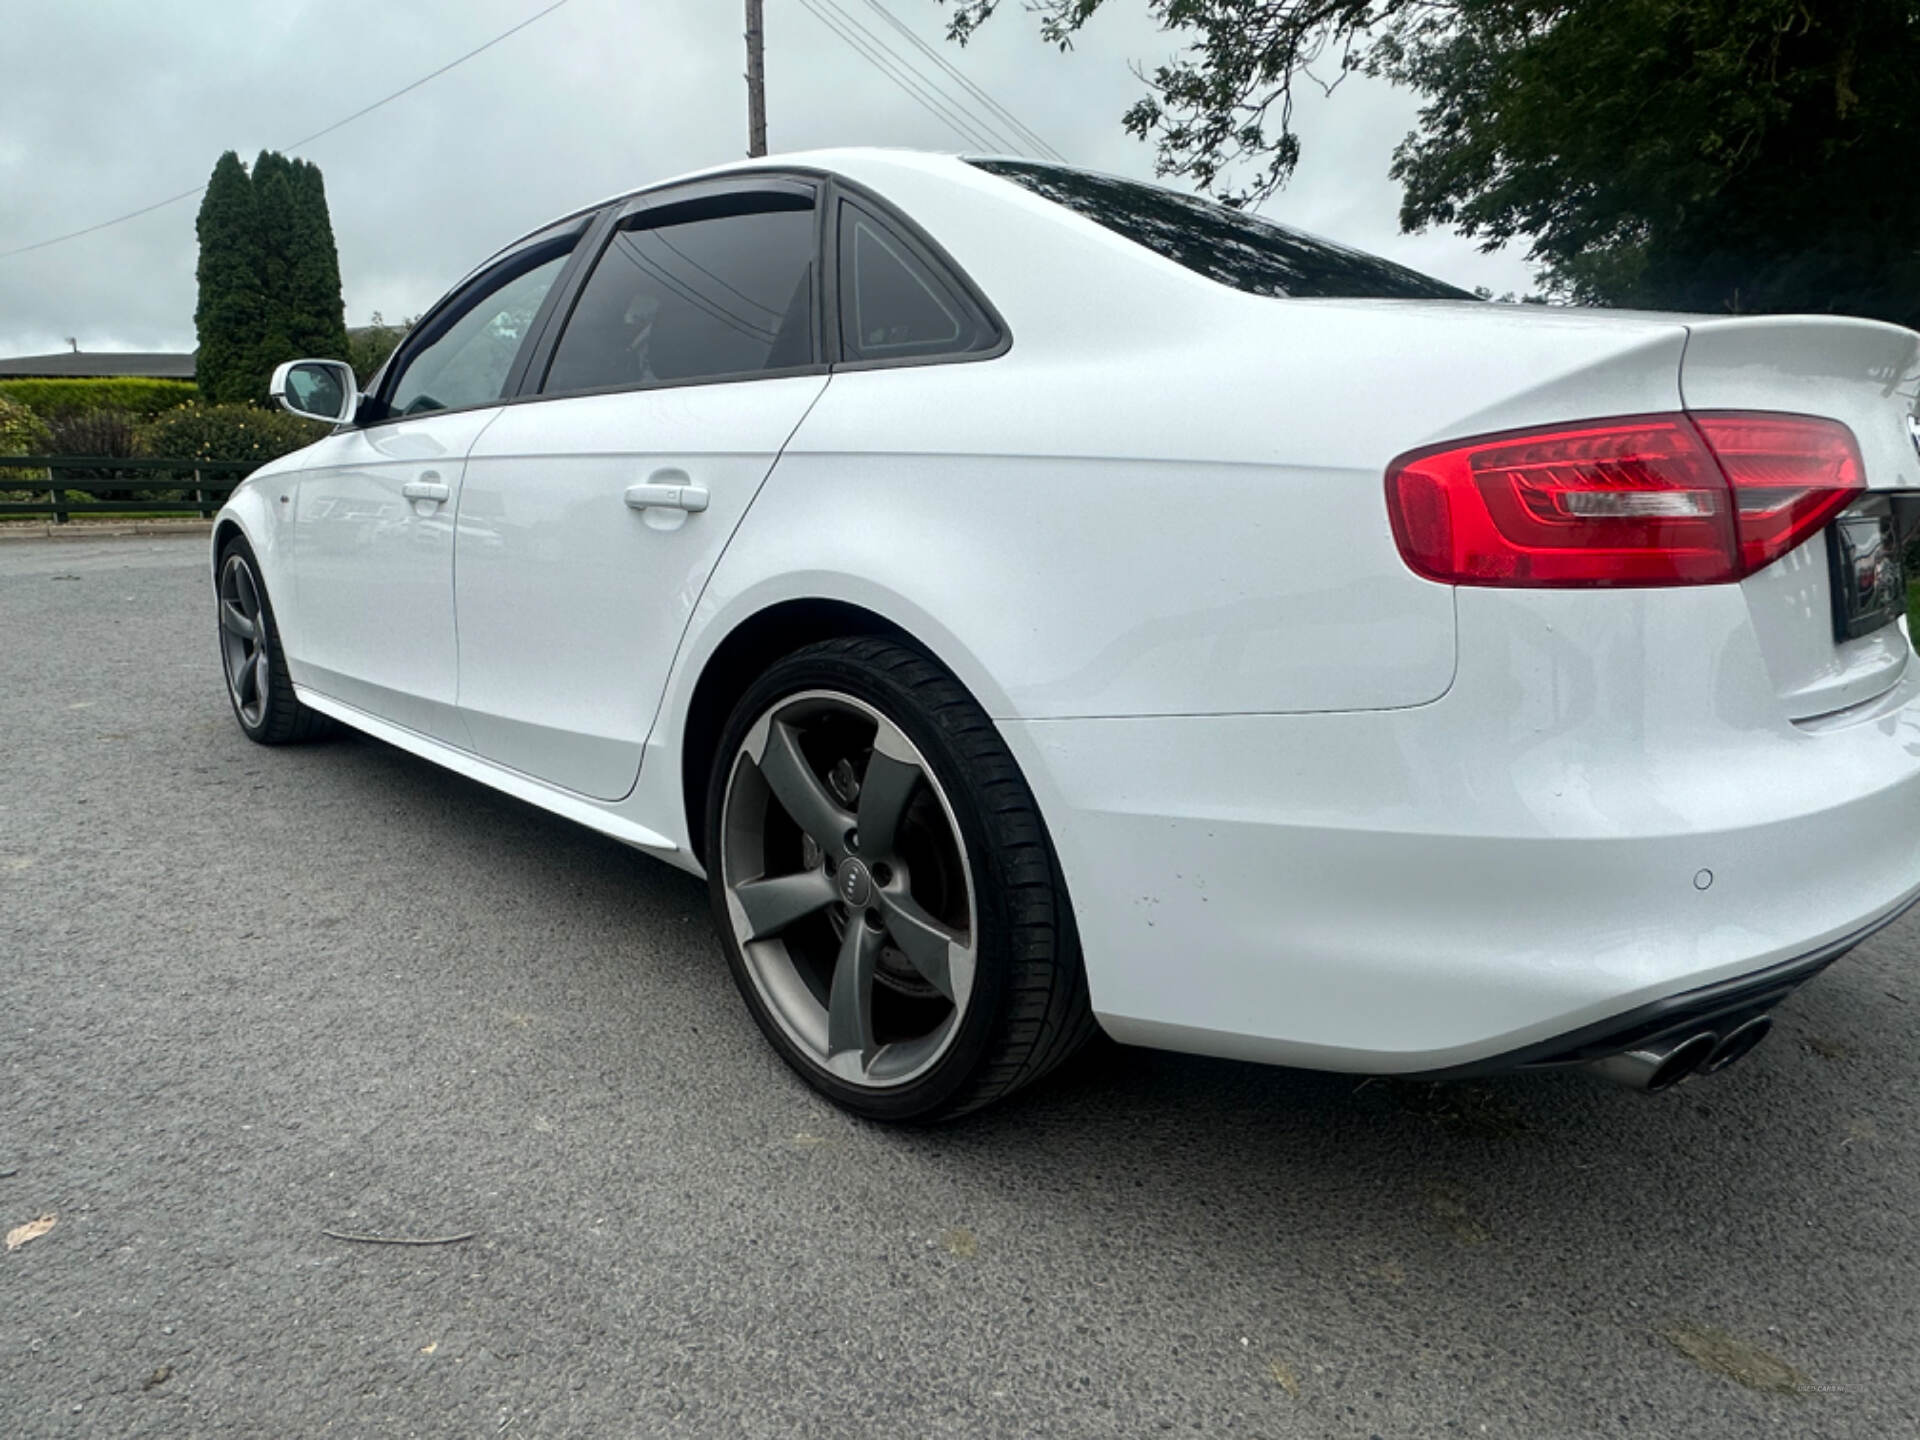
point(756, 82)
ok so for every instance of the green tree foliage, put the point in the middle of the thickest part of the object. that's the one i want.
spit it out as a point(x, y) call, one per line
point(314, 271)
point(231, 316)
point(370, 346)
point(21, 433)
point(1719, 155)
point(269, 276)
point(1222, 109)
point(277, 216)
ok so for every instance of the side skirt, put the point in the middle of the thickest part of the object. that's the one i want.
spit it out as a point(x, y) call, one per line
point(510, 782)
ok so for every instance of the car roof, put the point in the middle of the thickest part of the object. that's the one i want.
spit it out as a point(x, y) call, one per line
point(854, 162)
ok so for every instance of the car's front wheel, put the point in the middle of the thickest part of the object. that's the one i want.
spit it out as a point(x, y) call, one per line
point(884, 887)
point(257, 680)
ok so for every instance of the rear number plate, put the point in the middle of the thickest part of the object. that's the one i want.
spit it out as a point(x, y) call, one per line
point(1869, 581)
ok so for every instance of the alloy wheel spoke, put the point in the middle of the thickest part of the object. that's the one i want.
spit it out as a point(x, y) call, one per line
point(770, 906)
point(943, 958)
point(235, 622)
point(258, 668)
point(804, 795)
point(850, 1043)
point(881, 856)
point(892, 776)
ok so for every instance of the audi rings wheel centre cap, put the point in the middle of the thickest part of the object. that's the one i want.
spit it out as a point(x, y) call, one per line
point(856, 885)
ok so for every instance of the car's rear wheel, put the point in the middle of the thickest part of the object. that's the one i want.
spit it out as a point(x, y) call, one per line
point(250, 656)
point(884, 887)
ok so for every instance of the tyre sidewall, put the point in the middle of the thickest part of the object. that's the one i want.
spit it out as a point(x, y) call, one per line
point(239, 546)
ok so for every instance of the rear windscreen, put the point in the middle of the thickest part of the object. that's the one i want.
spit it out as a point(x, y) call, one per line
point(1230, 246)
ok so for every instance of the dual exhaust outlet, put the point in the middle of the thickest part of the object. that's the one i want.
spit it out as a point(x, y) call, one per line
point(1663, 1063)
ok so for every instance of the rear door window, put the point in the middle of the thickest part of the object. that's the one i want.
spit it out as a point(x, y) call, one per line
point(680, 296)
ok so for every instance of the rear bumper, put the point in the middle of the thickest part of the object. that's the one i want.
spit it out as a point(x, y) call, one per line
point(1718, 1008)
point(1576, 832)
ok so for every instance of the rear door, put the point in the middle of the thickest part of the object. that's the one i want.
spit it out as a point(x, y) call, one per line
point(374, 510)
point(591, 517)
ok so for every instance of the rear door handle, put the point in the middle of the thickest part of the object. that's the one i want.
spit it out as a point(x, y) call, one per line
point(691, 498)
point(428, 489)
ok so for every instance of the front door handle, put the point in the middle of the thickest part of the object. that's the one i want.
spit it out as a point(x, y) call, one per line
point(426, 489)
point(691, 498)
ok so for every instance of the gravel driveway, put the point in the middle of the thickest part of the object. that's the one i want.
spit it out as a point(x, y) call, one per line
point(250, 996)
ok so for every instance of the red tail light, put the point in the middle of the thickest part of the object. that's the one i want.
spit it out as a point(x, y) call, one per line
point(1677, 499)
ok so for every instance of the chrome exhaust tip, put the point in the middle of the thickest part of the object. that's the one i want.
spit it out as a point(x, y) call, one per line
point(1661, 1064)
point(1736, 1043)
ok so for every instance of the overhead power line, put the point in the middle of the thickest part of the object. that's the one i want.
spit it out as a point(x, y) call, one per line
point(430, 75)
point(889, 64)
point(294, 145)
point(950, 110)
point(1020, 127)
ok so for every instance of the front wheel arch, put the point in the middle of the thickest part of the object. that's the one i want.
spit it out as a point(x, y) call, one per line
point(225, 532)
point(251, 643)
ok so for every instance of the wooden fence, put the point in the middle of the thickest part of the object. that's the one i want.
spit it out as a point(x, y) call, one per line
point(117, 486)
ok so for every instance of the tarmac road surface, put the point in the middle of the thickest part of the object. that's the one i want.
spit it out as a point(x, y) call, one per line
point(248, 996)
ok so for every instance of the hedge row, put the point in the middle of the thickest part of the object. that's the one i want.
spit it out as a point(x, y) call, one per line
point(186, 432)
point(225, 432)
point(51, 399)
point(21, 433)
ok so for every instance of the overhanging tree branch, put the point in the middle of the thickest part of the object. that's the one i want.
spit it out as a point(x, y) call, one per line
point(1220, 112)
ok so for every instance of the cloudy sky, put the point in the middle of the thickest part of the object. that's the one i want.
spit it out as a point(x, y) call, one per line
point(114, 104)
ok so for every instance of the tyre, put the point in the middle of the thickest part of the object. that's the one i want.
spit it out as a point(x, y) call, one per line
point(251, 657)
point(883, 886)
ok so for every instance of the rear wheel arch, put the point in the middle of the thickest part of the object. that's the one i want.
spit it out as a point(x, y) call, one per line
point(750, 648)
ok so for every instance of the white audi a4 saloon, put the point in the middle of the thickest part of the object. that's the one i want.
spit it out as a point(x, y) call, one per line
point(1038, 602)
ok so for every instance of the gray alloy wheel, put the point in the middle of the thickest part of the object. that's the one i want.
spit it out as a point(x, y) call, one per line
point(848, 889)
point(244, 641)
point(252, 658)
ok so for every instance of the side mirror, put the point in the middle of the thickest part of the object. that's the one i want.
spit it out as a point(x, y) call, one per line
point(317, 390)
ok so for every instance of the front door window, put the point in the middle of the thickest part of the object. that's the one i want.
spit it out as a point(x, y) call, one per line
point(467, 363)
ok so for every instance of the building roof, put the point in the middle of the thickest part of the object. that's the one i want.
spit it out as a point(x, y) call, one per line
point(98, 364)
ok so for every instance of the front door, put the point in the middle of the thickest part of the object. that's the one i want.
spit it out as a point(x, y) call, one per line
point(589, 522)
point(374, 510)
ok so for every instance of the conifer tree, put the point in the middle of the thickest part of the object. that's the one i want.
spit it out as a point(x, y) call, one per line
point(277, 216)
point(269, 275)
point(231, 314)
point(314, 270)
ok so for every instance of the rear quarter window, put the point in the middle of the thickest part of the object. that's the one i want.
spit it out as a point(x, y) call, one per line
point(1230, 246)
point(894, 303)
